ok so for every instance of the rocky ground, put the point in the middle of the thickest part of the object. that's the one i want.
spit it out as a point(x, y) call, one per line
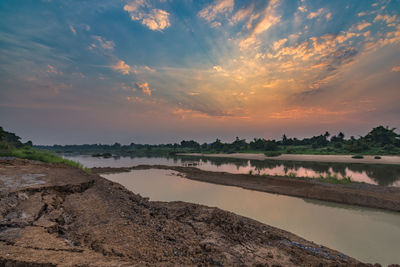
point(55, 215)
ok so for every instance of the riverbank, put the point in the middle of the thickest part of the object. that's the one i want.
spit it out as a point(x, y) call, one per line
point(53, 214)
point(302, 157)
point(359, 194)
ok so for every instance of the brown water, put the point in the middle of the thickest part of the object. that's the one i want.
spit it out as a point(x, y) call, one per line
point(366, 234)
point(385, 175)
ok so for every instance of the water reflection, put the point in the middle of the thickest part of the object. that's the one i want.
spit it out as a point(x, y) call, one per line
point(367, 234)
point(384, 175)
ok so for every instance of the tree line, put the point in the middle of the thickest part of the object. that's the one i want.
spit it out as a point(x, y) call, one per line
point(380, 139)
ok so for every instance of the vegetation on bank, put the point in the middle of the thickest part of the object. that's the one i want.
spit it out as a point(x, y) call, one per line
point(328, 178)
point(11, 146)
point(379, 141)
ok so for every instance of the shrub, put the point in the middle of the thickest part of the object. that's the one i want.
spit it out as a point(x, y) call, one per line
point(377, 157)
point(358, 157)
point(272, 154)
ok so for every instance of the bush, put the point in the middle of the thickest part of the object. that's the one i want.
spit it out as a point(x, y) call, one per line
point(358, 157)
point(272, 154)
point(377, 157)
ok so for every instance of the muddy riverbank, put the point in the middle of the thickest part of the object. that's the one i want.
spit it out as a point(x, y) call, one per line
point(395, 160)
point(353, 194)
point(55, 215)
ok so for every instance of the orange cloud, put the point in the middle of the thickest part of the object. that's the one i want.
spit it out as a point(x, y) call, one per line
point(315, 14)
point(396, 69)
point(210, 12)
point(154, 19)
point(157, 20)
point(300, 113)
point(241, 14)
point(122, 67)
point(362, 25)
point(144, 87)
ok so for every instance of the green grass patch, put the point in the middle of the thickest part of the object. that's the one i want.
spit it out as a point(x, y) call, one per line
point(41, 155)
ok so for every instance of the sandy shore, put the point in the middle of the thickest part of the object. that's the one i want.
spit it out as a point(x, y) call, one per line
point(56, 215)
point(300, 157)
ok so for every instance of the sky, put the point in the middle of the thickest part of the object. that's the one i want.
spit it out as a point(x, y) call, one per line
point(160, 71)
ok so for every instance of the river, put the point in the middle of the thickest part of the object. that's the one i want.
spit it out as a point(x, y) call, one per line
point(369, 235)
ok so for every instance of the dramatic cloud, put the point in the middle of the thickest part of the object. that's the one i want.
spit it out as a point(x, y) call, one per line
point(202, 66)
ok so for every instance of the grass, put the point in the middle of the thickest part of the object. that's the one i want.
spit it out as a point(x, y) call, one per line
point(41, 155)
point(334, 179)
point(328, 178)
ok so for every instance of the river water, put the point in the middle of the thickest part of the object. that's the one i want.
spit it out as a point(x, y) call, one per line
point(369, 235)
point(378, 174)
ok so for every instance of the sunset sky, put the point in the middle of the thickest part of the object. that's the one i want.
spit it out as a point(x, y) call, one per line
point(157, 71)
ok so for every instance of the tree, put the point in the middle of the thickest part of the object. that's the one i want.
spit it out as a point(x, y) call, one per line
point(239, 144)
point(217, 145)
point(341, 136)
point(382, 136)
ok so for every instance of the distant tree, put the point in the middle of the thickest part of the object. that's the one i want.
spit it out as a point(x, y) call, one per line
point(116, 145)
point(217, 145)
point(29, 143)
point(284, 138)
point(341, 136)
point(190, 144)
point(239, 144)
point(382, 136)
point(204, 146)
point(270, 145)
